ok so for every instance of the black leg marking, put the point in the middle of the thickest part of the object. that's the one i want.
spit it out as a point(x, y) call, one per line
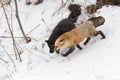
point(88, 39)
point(79, 47)
point(58, 51)
point(101, 33)
point(69, 51)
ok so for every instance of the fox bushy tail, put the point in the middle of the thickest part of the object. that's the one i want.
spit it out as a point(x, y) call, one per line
point(97, 21)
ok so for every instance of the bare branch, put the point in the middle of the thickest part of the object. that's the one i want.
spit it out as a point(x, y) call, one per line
point(33, 29)
point(16, 37)
point(19, 22)
point(14, 44)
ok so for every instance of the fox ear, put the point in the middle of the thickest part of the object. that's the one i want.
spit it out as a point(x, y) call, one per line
point(46, 41)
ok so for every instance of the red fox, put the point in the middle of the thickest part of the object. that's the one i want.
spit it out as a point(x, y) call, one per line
point(75, 36)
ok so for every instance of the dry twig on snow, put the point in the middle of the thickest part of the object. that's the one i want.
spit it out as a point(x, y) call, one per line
point(14, 43)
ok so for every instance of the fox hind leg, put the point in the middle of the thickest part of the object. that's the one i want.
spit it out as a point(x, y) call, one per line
point(68, 52)
point(101, 33)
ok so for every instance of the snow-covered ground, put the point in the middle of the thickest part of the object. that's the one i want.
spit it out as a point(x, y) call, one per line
point(99, 59)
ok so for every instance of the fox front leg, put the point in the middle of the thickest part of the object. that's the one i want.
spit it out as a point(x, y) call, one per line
point(58, 51)
point(79, 47)
point(68, 52)
point(87, 40)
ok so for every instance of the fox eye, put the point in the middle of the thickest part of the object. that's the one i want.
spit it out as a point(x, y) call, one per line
point(61, 41)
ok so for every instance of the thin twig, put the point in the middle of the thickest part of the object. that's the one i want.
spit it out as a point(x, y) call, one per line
point(9, 37)
point(11, 18)
point(63, 4)
point(9, 26)
point(62, 1)
point(19, 22)
point(8, 56)
point(14, 44)
point(17, 37)
point(46, 25)
point(3, 60)
point(33, 29)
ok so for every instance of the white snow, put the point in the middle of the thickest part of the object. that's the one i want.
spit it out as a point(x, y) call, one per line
point(99, 59)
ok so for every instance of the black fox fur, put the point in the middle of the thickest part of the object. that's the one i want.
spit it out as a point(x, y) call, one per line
point(64, 25)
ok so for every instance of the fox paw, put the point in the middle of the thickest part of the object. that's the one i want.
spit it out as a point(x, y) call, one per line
point(64, 55)
point(103, 37)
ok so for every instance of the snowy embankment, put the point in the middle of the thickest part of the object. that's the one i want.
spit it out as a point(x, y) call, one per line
point(99, 59)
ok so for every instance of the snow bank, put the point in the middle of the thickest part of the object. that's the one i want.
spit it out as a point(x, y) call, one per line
point(99, 59)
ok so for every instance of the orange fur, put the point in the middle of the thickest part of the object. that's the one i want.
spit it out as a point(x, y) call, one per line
point(75, 36)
